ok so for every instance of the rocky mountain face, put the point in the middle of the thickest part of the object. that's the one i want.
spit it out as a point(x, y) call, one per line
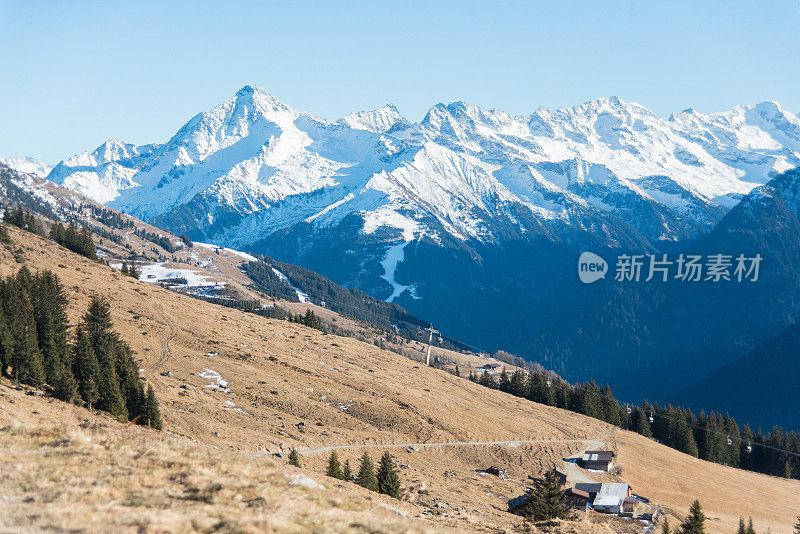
point(472, 219)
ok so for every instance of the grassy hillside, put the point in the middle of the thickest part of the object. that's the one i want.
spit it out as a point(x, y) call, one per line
point(346, 392)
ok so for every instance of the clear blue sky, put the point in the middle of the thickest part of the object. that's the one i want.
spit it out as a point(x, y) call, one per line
point(75, 73)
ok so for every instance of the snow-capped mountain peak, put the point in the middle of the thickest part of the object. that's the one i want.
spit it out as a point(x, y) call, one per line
point(258, 165)
point(380, 120)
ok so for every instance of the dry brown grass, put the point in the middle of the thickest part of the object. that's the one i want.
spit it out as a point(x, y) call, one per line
point(67, 470)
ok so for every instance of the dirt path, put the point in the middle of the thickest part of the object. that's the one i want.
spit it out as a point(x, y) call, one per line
point(589, 445)
point(166, 352)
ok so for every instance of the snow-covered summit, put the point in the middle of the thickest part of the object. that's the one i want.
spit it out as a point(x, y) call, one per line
point(380, 120)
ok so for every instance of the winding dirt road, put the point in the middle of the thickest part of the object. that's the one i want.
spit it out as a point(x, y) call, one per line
point(593, 443)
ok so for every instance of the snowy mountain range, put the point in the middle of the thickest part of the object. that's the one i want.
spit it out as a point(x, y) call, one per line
point(262, 166)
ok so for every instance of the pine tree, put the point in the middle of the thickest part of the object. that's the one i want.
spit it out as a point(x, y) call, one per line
point(347, 473)
point(152, 412)
point(26, 357)
point(546, 500)
point(99, 326)
point(294, 458)
point(111, 399)
point(64, 384)
point(741, 529)
point(5, 343)
point(695, 521)
point(388, 480)
point(366, 474)
point(85, 367)
point(50, 314)
point(787, 470)
point(750, 529)
point(505, 381)
point(665, 526)
point(334, 468)
point(797, 526)
point(641, 424)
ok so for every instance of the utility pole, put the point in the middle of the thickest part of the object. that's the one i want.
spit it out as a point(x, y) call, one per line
point(431, 330)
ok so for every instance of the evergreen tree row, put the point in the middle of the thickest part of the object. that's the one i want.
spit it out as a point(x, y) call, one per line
point(78, 240)
point(96, 369)
point(384, 480)
point(309, 319)
point(22, 219)
point(709, 436)
point(160, 240)
point(110, 218)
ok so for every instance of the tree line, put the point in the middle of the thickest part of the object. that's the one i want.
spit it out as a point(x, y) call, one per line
point(78, 240)
point(709, 436)
point(93, 367)
point(160, 240)
point(110, 218)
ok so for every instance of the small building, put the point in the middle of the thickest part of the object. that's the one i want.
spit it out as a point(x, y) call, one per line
point(597, 460)
point(575, 498)
point(606, 497)
point(491, 367)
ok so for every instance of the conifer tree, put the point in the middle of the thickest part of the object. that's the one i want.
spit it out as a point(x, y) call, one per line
point(750, 529)
point(641, 424)
point(366, 474)
point(26, 357)
point(347, 472)
point(388, 480)
point(152, 412)
point(111, 399)
point(741, 529)
point(334, 468)
point(505, 381)
point(294, 458)
point(50, 314)
point(695, 521)
point(665, 526)
point(85, 367)
point(517, 386)
point(546, 500)
point(5, 343)
point(797, 526)
point(99, 326)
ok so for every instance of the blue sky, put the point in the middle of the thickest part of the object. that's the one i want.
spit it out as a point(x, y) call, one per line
point(75, 73)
